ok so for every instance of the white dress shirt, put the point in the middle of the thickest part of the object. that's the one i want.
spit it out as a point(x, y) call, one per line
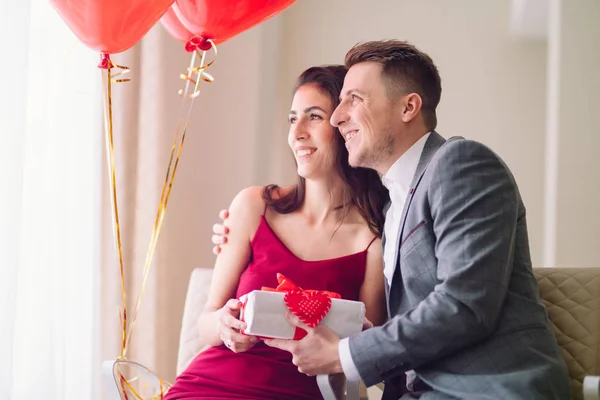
point(397, 180)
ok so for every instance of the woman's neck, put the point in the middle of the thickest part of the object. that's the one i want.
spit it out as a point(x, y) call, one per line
point(323, 200)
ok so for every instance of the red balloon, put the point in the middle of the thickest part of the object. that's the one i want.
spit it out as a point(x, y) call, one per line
point(175, 27)
point(220, 20)
point(110, 26)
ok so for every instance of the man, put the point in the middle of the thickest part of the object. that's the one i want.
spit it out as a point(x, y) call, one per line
point(466, 321)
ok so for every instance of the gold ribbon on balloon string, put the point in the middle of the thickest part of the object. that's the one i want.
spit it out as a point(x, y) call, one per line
point(190, 92)
point(125, 374)
point(193, 77)
point(109, 79)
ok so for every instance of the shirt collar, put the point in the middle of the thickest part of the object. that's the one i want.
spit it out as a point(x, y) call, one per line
point(403, 170)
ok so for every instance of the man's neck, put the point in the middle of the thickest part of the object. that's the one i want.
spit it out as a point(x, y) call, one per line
point(401, 147)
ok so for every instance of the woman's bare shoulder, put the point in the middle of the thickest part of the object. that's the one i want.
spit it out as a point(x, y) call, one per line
point(248, 203)
point(251, 195)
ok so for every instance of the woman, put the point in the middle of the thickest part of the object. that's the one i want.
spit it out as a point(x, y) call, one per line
point(322, 233)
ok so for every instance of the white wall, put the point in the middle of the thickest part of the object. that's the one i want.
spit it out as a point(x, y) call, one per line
point(493, 84)
point(573, 184)
point(494, 88)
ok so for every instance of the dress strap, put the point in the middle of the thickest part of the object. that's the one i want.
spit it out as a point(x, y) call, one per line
point(265, 210)
point(371, 242)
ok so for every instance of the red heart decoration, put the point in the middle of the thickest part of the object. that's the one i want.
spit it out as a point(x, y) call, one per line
point(311, 307)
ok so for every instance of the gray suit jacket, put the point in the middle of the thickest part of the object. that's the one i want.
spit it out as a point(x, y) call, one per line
point(464, 304)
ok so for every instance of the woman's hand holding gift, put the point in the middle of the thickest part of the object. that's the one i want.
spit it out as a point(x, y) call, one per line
point(230, 327)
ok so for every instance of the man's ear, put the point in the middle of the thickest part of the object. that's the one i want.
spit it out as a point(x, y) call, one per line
point(411, 106)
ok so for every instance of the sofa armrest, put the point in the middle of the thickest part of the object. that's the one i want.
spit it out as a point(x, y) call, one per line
point(197, 294)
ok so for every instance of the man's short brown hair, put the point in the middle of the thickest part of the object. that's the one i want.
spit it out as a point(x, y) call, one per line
point(405, 69)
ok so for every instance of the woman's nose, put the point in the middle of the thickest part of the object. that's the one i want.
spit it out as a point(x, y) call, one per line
point(300, 132)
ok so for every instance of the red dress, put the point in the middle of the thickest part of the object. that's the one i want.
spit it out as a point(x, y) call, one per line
point(264, 372)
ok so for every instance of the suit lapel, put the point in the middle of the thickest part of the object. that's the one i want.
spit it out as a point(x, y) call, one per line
point(433, 143)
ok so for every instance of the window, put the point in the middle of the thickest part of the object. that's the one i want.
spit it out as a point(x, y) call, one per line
point(50, 158)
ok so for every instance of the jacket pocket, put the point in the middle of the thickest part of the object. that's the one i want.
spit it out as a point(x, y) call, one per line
point(412, 233)
point(417, 257)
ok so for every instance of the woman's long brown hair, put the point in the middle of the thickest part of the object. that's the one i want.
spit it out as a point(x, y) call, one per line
point(362, 187)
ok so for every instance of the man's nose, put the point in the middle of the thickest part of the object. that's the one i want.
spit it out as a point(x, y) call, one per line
point(339, 116)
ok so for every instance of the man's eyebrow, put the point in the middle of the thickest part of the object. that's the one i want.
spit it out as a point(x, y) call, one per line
point(349, 92)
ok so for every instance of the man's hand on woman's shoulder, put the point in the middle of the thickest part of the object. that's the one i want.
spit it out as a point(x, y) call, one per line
point(247, 204)
point(220, 231)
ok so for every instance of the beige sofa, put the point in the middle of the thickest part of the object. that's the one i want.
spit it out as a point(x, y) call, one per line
point(571, 295)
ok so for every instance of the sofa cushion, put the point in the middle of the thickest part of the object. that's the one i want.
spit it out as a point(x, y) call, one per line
point(572, 298)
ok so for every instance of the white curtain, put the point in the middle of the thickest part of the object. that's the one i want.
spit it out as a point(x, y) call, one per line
point(50, 160)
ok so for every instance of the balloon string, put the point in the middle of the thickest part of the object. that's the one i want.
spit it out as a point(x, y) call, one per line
point(125, 385)
point(106, 64)
point(189, 93)
point(187, 103)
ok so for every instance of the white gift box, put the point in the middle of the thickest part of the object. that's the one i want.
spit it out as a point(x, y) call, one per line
point(264, 313)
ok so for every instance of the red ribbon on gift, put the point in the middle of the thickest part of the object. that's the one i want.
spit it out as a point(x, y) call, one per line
point(286, 285)
point(310, 306)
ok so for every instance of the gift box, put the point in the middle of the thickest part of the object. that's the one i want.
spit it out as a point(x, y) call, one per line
point(264, 311)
